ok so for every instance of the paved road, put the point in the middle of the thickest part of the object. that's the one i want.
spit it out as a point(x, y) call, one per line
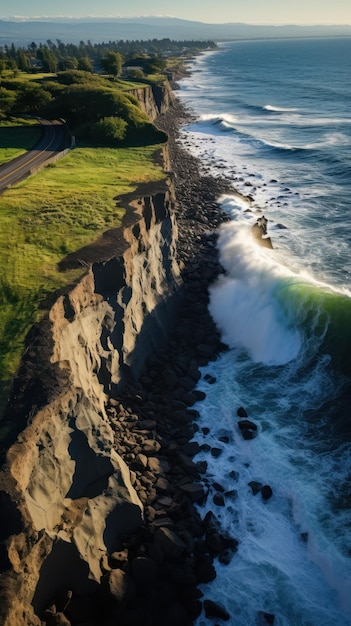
point(54, 139)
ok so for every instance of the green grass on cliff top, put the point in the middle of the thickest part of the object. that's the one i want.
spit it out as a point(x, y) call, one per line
point(49, 215)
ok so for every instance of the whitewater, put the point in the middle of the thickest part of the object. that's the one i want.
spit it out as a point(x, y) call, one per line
point(273, 118)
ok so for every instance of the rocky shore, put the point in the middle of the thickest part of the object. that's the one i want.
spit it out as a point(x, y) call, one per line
point(152, 577)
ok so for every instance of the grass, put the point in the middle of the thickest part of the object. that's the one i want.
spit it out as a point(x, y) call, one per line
point(16, 137)
point(47, 216)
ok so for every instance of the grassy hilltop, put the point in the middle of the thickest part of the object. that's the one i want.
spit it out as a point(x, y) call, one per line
point(70, 203)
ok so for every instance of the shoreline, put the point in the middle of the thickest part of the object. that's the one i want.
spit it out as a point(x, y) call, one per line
point(175, 549)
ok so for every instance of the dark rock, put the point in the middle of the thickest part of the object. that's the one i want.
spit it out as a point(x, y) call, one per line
point(216, 452)
point(214, 543)
point(226, 556)
point(169, 543)
point(244, 424)
point(266, 492)
point(195, 492)
point(232, 493)
point(224, 438)
point(212, 609)
point(234, 475)
point(199, 395)
point(218, 499)
point(241, 412)
point(218, 487)
point(265, 618)
point(204, 350)
point(176, 614)
point(248, 434)
point(211, 522)
point(255, 487)
point(120, 586)
point(144, 570)
point(204, 568)
point(210, 379)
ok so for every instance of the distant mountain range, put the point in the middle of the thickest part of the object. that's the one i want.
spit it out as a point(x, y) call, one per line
point(24, 31)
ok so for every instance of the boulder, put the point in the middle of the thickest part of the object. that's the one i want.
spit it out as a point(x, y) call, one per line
point(169, 543)
point(255, 486)
point(121, 586)
point(212, 609)
point(241, 412)
point(266, 492)
point(218, 499)
point(195, 492)
point(244, 424)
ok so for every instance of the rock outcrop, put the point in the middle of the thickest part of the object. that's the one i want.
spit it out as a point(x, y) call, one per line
point(66, 492)
point(153, 99)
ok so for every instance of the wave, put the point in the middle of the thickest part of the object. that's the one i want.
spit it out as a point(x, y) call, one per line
point(270, 107)
point(273, 313)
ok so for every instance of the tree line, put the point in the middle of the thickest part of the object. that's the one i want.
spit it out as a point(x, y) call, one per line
point(86, 56)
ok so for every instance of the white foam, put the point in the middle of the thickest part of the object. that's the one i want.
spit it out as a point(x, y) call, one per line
point(243, 302)
point(270, 107)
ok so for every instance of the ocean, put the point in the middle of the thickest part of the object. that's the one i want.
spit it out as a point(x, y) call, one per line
point(274, 118)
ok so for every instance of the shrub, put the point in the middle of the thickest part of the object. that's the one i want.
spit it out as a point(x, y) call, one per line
point(109, 130)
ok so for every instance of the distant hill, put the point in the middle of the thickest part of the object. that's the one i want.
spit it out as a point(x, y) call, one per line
point(23, 32)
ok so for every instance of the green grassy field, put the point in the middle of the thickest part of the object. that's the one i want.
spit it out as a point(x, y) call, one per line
point(17, 136)
point(61, 209)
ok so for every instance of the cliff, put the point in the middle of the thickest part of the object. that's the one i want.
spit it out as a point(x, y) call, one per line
point(66, 495)
point(153, 99)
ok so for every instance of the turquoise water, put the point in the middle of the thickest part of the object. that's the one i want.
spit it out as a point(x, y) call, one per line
point(274, 118)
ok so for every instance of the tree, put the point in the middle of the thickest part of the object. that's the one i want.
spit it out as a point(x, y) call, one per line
point(31, 98)
point(109, 130)
point(85, 64)
point(112, 63)
point(22, 61)
point(7, 100)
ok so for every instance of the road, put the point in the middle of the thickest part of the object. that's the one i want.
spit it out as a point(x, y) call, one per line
point(54, 139)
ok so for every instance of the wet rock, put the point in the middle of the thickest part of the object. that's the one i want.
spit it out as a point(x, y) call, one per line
point(241, 412)
point(210, 379)
point(204, 568)
point(266, 492)
point(248, 434)
point(244, 424)
point(212, 609)
point(169, 543)
point(265, 618)
point(216, 452)
point(195, 492)
point(255, 487)
point(218, 499)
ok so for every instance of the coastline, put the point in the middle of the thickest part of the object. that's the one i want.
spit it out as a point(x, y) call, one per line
point(150, 576)
point(174, 550)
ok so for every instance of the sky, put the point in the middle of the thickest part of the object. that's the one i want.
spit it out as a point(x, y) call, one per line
point(212, 11)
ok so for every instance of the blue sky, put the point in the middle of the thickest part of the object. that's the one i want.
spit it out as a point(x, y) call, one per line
point(249, 11)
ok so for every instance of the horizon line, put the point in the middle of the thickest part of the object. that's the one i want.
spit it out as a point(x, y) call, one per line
point(136, 17)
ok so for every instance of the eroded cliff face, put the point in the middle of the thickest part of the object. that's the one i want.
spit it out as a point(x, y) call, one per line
point(154, 99)
point(66, 494)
